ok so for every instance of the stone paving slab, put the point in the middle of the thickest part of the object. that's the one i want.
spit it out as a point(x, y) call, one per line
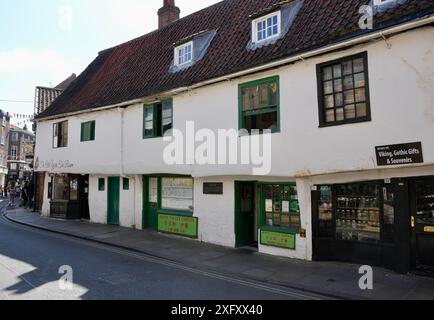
point(329, 278)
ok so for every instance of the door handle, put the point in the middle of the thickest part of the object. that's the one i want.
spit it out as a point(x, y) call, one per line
point(413, 224)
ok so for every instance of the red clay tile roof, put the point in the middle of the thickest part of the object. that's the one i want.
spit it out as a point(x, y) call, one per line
point(140, 68)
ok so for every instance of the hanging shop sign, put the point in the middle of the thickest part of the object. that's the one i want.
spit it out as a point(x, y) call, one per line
point(277, 239)
point(179, 225)
point(399, 154)
point(213, 188)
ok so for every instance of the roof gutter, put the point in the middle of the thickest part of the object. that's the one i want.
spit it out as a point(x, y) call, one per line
point(310, 54)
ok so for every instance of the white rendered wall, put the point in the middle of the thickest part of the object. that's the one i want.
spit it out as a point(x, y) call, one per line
point(402, 107)
point(401, 82)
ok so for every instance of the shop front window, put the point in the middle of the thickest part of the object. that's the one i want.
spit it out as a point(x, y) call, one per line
point(388, 215)
point(282, 206)
point(325, 210)
point(60, 188)
point(358, 212)
point(73, 189)
point(177, 194)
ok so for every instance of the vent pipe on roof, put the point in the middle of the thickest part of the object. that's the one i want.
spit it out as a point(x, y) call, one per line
point(168, 13)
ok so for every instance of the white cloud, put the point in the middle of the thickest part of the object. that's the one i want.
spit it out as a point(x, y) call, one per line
point(31, 60)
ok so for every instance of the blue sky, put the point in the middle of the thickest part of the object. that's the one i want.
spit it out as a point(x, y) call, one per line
point(44, 42)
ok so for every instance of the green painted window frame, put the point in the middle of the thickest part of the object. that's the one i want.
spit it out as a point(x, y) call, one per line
point(262, 212)
point(157, 121)
point(88, 131)
point(162, 210)
point(126, 184)
point(101, 184)
point(267, 109)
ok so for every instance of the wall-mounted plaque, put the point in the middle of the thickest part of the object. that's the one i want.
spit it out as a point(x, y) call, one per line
point(399, 154)
point(213, 188)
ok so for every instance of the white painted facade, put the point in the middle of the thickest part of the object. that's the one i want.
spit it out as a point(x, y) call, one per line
point(401, 80)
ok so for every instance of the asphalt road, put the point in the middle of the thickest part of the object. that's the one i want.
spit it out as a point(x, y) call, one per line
point(30, 260)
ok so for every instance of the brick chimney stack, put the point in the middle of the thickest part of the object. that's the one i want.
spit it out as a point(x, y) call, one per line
point(168, 13)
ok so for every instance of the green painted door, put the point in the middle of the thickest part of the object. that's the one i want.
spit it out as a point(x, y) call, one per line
point(150, 197)
point(113, 190)
point(245, 213)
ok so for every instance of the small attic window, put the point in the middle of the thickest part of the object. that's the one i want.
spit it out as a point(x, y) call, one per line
point(381, 2)
point(184, 54)
point(271, 24)
point(267, 27)
point(190, 50)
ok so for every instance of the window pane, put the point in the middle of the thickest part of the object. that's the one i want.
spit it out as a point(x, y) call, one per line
point(73, 191)
point(338, 85)
point(167, 117)
point(349, 96)
point(358, 65)
point(327, 73)
point(60, 188)
point(273, 94)
point(254, 97)
point(359, 80)
point(339, 100)
point(330, 115)
point(246, 99)
point(361, 110)
point(360, 95)
point(177, 194)
point(340, 114)
point(348, 82)
point(149, 122)
point(261, 121)
point(153, 190)
point(348, 67)
point(337, 71)
point(264, 95)
point(328, 87)
point(266, 121)
point(350, 112)
point(329, 102)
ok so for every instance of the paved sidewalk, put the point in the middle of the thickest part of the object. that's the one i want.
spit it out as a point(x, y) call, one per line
point(327, 278)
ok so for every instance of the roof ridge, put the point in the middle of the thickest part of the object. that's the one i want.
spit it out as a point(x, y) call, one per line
point(163, 28)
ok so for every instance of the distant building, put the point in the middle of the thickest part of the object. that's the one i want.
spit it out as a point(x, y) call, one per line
point(45, 96)
point(20, 155)
point(4, 143)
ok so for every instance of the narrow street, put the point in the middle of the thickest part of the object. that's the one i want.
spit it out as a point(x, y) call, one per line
point(30, 260)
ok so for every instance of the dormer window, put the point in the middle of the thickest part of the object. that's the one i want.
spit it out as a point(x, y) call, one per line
point(380, 6)
point(381, 2)
point(189, 50)
point(271, 24)
point(184, 54)
point(266, 27)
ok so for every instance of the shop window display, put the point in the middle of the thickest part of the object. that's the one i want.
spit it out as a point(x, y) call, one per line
point(282, 206)
point(358, 213)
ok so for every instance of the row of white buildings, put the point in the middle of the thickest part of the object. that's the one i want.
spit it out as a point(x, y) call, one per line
point(350, 111)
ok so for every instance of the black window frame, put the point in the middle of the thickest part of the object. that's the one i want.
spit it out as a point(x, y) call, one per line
point(62, 142)
point(321, 95)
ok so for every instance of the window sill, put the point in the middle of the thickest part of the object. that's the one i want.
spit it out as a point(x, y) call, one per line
point(273, 131)
point(293, 231)
point(342, 123)
point(175, 212)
